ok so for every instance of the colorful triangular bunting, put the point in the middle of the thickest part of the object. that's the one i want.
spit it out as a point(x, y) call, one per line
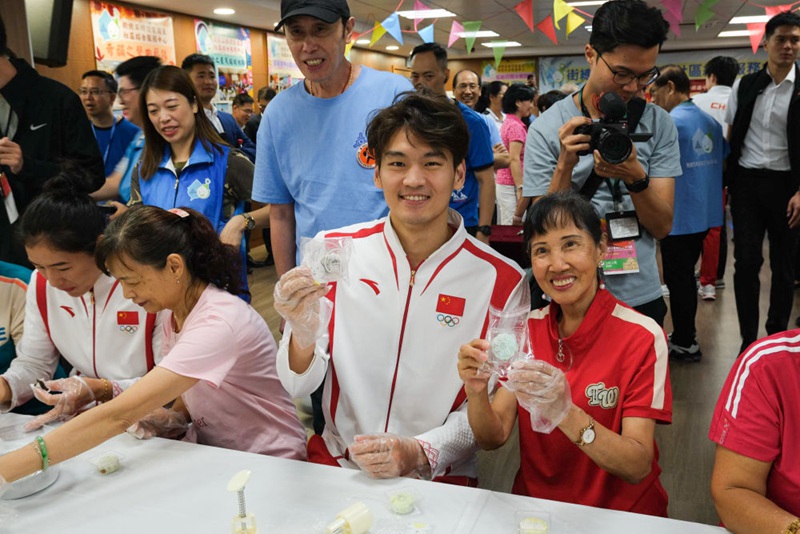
point(392, 25)
point(674, 22)
point(546, 27)
point(525, 10)
point(426, 34)
point(574, 22)
point(756, 30)
point(560, 10)
point(377, 33)
point(470, 28)
point(702, 15)
point(419, 6)
point(455, 29)
point(498, 54)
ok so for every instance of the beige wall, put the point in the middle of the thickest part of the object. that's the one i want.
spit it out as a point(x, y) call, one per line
point(13, 13)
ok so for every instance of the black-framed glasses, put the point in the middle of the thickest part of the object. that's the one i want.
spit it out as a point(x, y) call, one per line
point(93, 92)
point(624, 78)
point(125, 92)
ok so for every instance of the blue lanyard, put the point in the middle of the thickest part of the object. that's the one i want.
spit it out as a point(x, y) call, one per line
point(110, 138)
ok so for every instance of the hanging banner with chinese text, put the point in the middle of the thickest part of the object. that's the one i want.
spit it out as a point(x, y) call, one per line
point(283, 71)
point(121, 33)
point(229, 47)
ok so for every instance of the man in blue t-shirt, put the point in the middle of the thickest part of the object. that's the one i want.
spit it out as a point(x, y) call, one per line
point(98, 92)
point(474, 201)
point(698, 204)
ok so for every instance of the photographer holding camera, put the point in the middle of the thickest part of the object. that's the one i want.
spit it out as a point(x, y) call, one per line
point(632, 191)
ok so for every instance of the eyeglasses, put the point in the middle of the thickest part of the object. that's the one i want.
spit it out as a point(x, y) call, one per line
point(465, 86)
point(624, 78)
point(93, 92)
point(125, 92)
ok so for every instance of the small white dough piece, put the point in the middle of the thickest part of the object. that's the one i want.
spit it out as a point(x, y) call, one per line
point(107, 464)
point(533, 525)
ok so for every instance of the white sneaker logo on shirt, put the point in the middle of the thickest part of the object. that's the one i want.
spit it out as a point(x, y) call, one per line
point(34, 128)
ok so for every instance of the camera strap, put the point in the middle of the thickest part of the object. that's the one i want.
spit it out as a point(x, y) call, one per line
point(636, 107)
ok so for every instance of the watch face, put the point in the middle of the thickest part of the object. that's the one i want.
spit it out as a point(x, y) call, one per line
point(588, 435)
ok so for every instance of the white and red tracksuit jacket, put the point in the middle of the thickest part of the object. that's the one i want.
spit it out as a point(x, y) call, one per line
point(101, 334)
point(389, 358)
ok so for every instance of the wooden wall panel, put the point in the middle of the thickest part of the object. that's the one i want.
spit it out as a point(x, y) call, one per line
point(13, 13)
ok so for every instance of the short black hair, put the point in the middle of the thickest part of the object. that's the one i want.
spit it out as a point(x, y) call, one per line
point(455, 78)
point(784, 18)
point(627, 22)
point(266, 93)
point(515, 93)
point(137, 68)
point(428, 117)
point(111, 83)
point(547, 100)
point(241, 99)
point(196, 59)
point(676, 75)
point(725, 68)
point(557, 210)
point(439, 52)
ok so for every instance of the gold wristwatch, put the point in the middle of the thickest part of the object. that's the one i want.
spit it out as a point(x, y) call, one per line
point(586, 435)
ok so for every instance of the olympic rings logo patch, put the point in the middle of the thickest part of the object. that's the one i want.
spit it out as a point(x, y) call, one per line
point(447, 320)
point(128, 329)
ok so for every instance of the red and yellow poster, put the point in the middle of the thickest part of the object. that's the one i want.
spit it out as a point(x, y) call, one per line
point(121, 33)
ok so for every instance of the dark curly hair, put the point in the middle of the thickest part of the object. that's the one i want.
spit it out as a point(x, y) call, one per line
point(149, 234)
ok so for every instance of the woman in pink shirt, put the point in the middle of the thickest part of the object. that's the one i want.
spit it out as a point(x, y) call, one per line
point(517, 105)
point(218, 353)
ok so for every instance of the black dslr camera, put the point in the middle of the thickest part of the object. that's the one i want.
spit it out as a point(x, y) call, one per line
point(610, 135)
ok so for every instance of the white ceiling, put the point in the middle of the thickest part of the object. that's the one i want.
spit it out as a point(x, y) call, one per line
point(496, 15)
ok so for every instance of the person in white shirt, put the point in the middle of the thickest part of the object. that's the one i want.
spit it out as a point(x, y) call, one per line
point(419, 287)
point(764, 176)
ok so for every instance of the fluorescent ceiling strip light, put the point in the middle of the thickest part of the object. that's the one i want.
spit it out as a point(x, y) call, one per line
point(587, 4)
point(392, 47)
point(224, 11)
point(426, 14)
point(507, 44)
point(363, 42)
point(749, 20)
point(735, 33)
point(482, 33)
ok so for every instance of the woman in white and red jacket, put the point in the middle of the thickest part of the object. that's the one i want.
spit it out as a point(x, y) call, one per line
point(74, 310)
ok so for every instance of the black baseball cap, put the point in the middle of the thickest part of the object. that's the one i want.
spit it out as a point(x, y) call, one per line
point(325, 10)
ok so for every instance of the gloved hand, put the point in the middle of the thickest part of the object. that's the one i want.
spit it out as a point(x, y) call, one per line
point(471, 364)
point(75, 394)
point(541, 389)
point(297, 299)
point(389, 456)
point(160, 423)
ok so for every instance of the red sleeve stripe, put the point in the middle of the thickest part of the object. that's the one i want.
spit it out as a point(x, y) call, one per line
point(41, 301)
point(507, 276)
point(334, 381)
point(358, 234)
point(441, 266)
point(110, 293)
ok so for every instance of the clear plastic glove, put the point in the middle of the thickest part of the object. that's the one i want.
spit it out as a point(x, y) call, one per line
point(160, 423)
point(297, 299)
point(74, 395)
point(541, 389)
point(389, 456)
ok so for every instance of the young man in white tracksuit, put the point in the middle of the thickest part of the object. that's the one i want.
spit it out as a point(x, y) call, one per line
point(419, 287)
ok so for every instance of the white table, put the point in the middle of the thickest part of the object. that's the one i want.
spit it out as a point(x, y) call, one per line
point(170, 486)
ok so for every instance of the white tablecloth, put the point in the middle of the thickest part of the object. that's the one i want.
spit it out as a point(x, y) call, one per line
point(170, 486)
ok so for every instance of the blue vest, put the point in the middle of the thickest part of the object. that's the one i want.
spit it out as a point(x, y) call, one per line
point(200, 186)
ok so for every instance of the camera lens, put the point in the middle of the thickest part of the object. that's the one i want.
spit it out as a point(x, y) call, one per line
point(614, 146)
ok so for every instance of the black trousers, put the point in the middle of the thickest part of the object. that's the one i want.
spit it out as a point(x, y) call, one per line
point(655, 309)
point(679, 254)
point(758, 206)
